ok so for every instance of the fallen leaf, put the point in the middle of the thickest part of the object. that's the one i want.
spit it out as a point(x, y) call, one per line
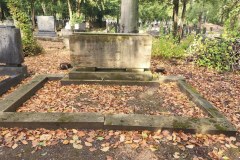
point(88, 144)
point(105, 149)
point(14, 146)
point(190, 146)
point(77, 146)
point(66, 142)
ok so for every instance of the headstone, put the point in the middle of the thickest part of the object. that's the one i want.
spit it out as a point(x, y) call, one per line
point(10, 46)
point(80, 27)
point(110, 50)
point(46, 26)
point(11, 53)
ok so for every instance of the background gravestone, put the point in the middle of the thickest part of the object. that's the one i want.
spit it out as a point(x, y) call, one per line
point(10, 46)
point(46, 26)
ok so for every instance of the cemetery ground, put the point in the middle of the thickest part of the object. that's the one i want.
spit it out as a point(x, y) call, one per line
point(221, 89)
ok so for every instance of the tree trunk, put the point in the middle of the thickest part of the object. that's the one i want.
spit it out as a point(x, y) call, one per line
point(78, 8)
point(70, 10)
point(129, 16)
point(33, 14)
point(43, 5)
point(175, 17)
point(1, 12)
point(183, 18)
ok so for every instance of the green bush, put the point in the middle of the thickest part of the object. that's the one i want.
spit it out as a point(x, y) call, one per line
point(30, 46)
point(166, 47)
point(219, 54)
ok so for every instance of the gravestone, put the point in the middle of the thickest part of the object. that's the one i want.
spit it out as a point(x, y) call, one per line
point(46, 26)
point(11, 58)
point(11, 52)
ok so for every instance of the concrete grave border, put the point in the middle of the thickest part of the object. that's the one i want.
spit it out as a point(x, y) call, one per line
point(10, 82)
point(216, 124)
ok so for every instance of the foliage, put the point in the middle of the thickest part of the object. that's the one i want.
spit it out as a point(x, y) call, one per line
point(76, 19)
point(150, 11)
point(219, 54)
point(30, 46)
point(166, 47)
point(232, 25)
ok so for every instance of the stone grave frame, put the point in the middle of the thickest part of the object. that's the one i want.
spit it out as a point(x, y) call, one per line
point(216, 124)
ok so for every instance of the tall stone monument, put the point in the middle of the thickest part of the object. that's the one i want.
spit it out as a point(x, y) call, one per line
point(123, 57)
point(129, 16)
point(46, 26)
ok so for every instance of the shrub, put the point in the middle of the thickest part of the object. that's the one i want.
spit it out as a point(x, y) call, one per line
point(219, 54)
point(30, 46)
point(166, 47)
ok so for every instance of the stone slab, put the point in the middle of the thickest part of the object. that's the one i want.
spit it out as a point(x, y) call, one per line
point(52, 120)
point(153, 123)
point(11, 46)
point(110, 50)
point(199, 100)
point(130, 76)
point(46, 23)
point(67, 81)
point(8, 70)
point(8, 83)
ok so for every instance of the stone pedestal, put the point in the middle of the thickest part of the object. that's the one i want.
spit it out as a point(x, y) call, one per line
point(46, 26)
point(110, 57)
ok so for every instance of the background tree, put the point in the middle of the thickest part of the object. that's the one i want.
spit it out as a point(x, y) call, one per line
point(20, 15)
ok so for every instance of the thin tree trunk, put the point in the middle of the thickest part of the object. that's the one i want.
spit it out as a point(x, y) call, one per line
point(78, 8)
point(175, 17)
point(183, 18)
point(70, 10)
point(33, 14)
point(129, 16)
point(43, 5)
point(1, 12)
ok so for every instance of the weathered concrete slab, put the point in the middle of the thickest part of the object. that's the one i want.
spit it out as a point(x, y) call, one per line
point(148, 122)
point(12, 81)
point(10, 70)
point(134, 76)
point(10, 46)
point(52, 120)
point(110, 50)
point(67, 81)
point(199, 100)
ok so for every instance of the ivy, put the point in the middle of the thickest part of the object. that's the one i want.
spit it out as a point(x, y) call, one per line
point(218, 54)
point(19, 14)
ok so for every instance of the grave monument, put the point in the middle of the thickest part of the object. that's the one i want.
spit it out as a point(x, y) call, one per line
point(111, 57)
point(46, 26)
point(11, 58)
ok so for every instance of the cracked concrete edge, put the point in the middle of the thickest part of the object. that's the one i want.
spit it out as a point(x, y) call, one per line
point(115, 122)
point(199, 100)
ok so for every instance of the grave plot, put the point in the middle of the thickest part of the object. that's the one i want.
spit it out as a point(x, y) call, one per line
point(162, 99)
point(205, 120)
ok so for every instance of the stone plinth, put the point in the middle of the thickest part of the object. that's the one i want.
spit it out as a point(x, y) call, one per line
point(10, 46)
point(46, 26)
point(110, 50)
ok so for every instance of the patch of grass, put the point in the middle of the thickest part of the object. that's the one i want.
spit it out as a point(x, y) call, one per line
point(167, 47)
